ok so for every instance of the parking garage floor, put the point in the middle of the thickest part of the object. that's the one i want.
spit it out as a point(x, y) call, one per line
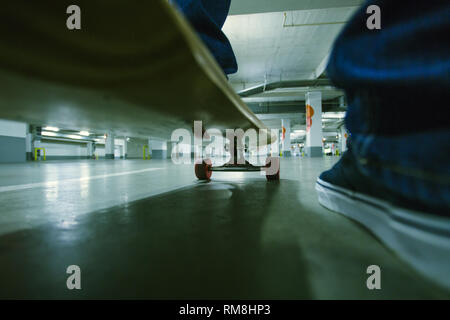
point(148, 229)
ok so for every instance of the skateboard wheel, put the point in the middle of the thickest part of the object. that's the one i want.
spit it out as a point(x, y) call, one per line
point(273, 163)
point(203, 170)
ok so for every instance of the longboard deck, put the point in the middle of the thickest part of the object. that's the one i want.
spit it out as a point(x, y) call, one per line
point(136, 67)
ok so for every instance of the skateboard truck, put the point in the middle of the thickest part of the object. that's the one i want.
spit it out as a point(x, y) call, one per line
point(204, 170)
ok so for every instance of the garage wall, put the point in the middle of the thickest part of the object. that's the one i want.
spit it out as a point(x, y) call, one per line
point(134, 148)
point(100, 151)
point(12, 141)
point(61, 150)
point(159, 149)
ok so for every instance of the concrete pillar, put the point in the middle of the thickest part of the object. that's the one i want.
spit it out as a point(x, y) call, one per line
point(29, 145)
point(314, 134)
point(36, 141)
point(149, 150)
point(125, 147)
point(341, 102)
point(286, 129)
point(170, 147)
point(158, 148)
point(343, 139)
point(90, 149)
point(109, 145)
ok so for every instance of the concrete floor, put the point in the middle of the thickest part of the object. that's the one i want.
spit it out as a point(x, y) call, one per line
point(148, 229)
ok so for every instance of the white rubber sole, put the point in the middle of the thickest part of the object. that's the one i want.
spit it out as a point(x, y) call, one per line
point(420, 239)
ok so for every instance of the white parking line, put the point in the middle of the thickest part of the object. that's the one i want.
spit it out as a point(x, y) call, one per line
point(54, 182)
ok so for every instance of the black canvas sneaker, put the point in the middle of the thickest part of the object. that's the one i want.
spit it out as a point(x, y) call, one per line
point(416, 233)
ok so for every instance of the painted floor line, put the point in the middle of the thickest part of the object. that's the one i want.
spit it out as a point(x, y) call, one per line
point(56, 182)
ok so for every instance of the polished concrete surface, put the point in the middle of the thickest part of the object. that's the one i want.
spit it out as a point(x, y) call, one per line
point(148, 229)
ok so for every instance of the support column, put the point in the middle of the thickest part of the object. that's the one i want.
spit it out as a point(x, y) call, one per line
point(125, 147)
point(149, 150)
point(342, 102)
point(343, 139)
point(158, 149)
point(36, 141)
point(29, 144)
point(170, 145)
point(314, 134)
point(109, 145)
point(90, 149)
point(286, 131)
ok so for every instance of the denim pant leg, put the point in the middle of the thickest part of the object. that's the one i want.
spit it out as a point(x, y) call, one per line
point(208, 17)
point(397, 81)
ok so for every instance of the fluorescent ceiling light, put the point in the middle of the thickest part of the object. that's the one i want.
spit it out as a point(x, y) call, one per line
point(85, 133)
point(72, 136)
point(333, 115)
point(55, 129)
point(49, 134)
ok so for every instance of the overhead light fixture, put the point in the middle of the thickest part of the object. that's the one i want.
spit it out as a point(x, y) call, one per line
point(48, 134)
point(73, 136)
point(128, 139)
point(84, 133)
point(55, 129)
point(333, 115)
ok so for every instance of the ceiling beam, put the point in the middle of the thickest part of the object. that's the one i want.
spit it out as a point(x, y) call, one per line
point(271, 116)
point(284, 84)
point(260, 6)
point(321, 67)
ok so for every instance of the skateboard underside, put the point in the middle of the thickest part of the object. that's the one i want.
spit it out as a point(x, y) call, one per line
point(134, 67)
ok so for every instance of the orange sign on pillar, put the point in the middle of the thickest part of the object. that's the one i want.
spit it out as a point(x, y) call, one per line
point(309, 115)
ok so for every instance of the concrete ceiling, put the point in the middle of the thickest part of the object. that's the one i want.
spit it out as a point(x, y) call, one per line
point(266, 50)
point(260, 6)
point(275, 41)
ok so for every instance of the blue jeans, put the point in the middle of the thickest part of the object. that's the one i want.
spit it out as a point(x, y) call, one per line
point(207, 17)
